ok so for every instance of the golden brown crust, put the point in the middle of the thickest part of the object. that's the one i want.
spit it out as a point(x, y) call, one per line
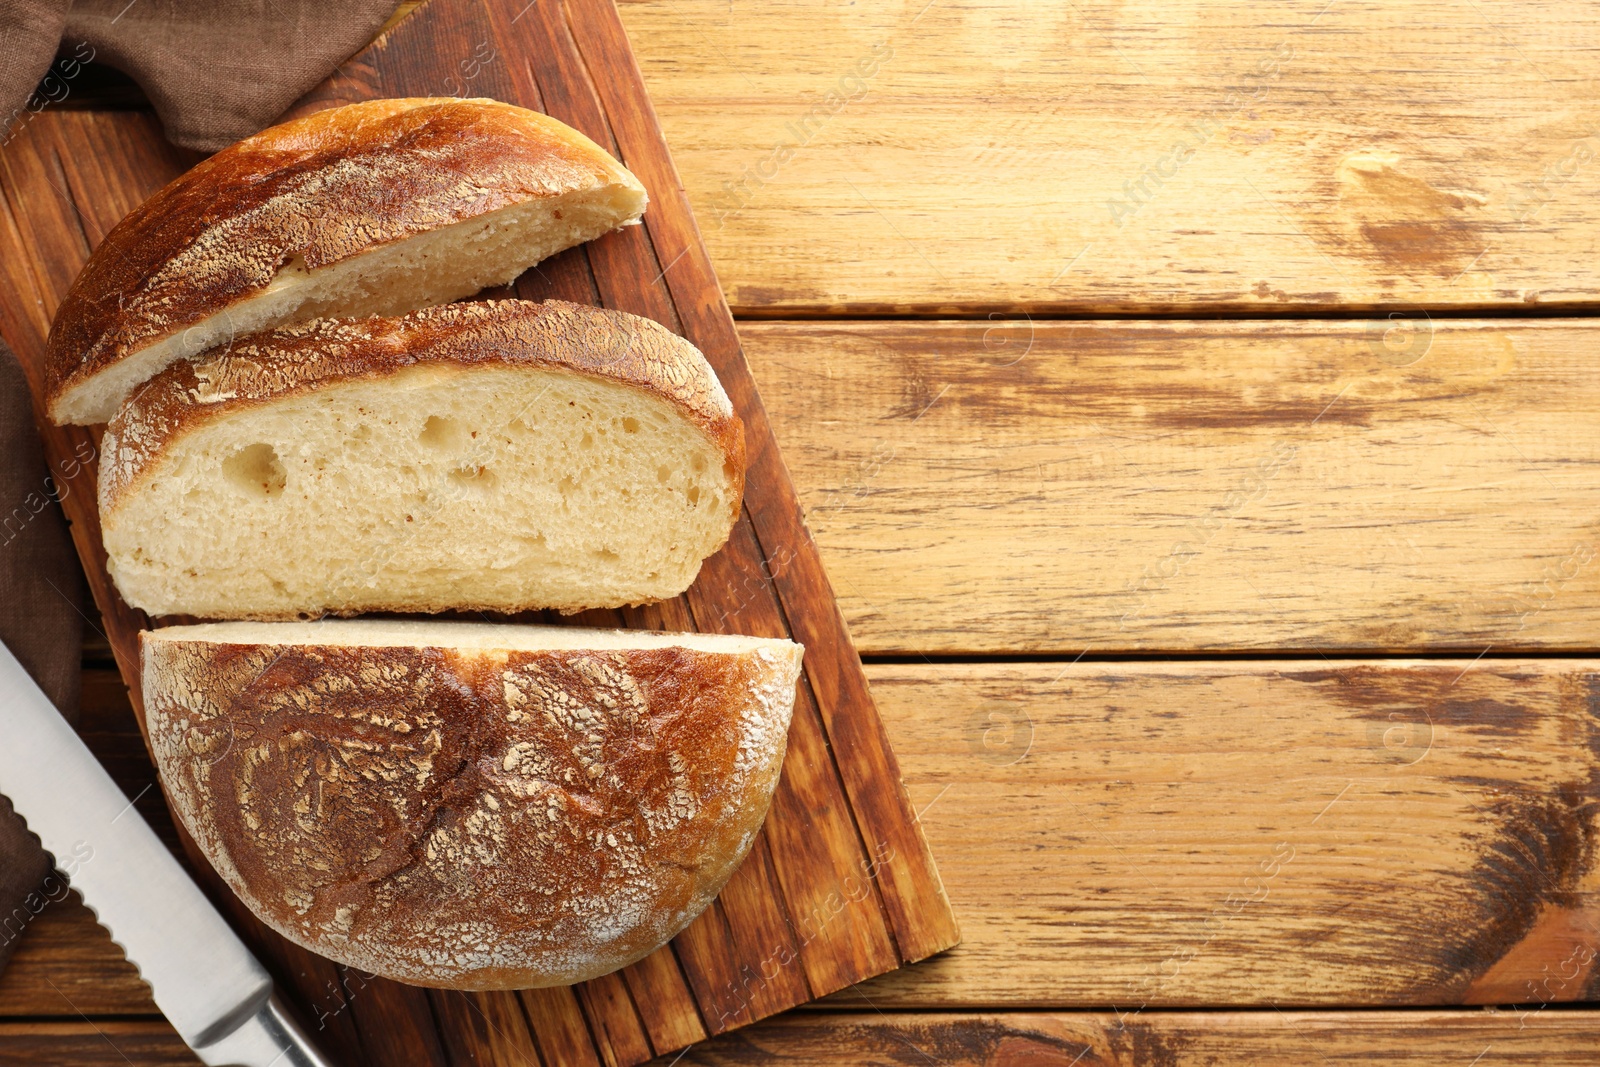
point(471, 818)
point(297, 359)
point(322, 188)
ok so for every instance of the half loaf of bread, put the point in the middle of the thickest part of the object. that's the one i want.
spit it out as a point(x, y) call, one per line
point(468, 805)
point(370, 209)
point(497, 456)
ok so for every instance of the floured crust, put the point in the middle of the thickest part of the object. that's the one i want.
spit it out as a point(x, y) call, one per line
point(470, 817)
point(321, 189)
point(299, 359)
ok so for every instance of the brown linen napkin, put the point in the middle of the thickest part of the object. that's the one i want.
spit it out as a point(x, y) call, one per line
point(215, 70)
point(41, 589)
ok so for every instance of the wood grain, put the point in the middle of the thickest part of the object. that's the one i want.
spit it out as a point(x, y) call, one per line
point(1551, 1038)
point(1304, 832)
point(1062, 487)
point(840, 821)
point(1169, 1039)
point(1131, 157)
point(65, 964)
point(94, 1043)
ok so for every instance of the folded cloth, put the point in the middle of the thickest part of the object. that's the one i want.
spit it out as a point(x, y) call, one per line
point(41, 622)
point(215, 70)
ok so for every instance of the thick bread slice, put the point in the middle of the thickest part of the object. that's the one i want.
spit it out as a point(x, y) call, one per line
point(370, 209)
point(469, 805)
point(493, 457)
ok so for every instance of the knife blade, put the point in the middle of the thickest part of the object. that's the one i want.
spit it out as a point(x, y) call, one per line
point(214, 992)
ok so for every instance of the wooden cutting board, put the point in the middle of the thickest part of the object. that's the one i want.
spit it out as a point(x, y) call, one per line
point(840, 885)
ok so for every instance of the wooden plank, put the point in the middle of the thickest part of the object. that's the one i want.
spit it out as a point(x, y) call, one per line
point(1548, 1038)
point(1253, 832)
point(666, 1007)
point(1115, 157)
point(396, 1024)
point(842, 842)
point(484, 1028)
point(1174, 1039)
point(93, 1043)
point(65, 963)
point(1295, 832)
point(620, 1034)
point(559, 1026)
point(401, 11)
point(1062, 487)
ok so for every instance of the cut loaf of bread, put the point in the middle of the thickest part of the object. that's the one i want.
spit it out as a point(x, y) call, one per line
point(467, 805)
point(370, 209)
point(497, 456)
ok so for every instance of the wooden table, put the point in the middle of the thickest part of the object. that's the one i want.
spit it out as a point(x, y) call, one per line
point(1196, 407)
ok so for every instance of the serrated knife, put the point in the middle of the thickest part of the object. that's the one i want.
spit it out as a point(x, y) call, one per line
point(214, 992)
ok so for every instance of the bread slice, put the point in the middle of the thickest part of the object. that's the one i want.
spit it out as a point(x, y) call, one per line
point(468, 805)
point(370, 209)
point(496, 456)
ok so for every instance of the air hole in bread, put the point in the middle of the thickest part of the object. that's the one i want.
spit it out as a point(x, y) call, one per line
point(698, 463)
point(630, 425)
point(663, 473)
point(479, 479)
point(256, 471)
point(693, 495)
point(443, 433)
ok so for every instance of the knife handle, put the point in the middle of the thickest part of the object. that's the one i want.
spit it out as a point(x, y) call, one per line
point(269, 1038)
